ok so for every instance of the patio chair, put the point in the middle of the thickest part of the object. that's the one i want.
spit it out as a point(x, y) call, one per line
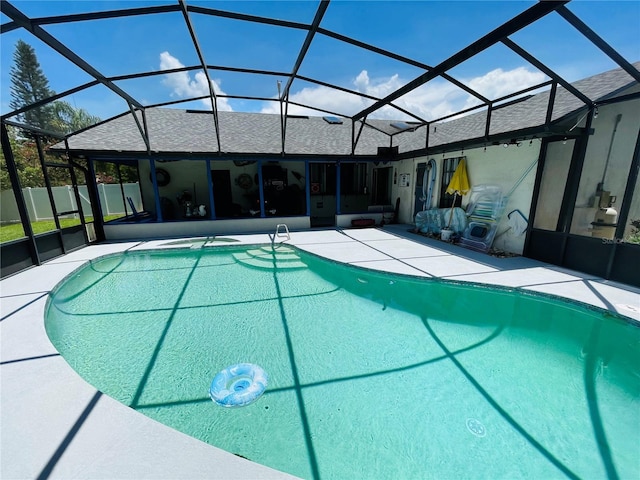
point(484, 211)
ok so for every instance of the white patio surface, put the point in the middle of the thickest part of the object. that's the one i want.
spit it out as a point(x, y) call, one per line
point(55, 425)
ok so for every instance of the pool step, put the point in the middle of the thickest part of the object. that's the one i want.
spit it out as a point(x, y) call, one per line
point(279, 253)
point(266, 258)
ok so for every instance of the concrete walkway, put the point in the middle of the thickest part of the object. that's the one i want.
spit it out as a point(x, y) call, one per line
point(55, 425)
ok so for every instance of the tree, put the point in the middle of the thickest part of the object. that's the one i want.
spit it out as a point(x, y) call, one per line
point(28, 86)
point(68, 119)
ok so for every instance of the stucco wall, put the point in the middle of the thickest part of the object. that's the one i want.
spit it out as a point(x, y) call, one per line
point(496, 166)
point(405, 193)
point(206, 228)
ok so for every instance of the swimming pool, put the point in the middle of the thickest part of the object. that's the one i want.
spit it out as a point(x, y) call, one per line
point(370, 375)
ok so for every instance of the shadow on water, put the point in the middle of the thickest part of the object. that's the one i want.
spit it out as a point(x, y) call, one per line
point(590, 370)
point(498, 407)
point(104, 273)
point(404, 368)
point(591, 365)
point(163, 335)
point(207, 305)
point(298, 387)
point(313, 462)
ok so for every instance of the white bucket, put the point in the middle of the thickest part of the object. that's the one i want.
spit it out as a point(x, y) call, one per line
point(446, 234)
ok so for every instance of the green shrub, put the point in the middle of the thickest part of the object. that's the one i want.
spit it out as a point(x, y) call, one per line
point(634, 236)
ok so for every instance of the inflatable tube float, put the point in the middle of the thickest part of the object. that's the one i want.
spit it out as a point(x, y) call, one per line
point(238, 385)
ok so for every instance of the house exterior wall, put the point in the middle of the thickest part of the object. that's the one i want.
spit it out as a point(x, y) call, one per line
point(200, 228)
point(505, 167)
point(405, 192)
point(185, 175)
point(496, 166)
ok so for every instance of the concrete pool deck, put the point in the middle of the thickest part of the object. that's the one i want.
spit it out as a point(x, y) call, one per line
point(55, 425)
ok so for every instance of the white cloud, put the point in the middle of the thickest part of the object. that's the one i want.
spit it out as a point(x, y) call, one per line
point(338, 101)
point(322, 97)
point(436, 99)
point(498, 83)
point(184, 86)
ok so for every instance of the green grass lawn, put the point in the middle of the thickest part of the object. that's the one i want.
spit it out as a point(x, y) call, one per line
point(14, 231)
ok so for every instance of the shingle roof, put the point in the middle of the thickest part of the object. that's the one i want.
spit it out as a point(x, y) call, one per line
point(180, 131)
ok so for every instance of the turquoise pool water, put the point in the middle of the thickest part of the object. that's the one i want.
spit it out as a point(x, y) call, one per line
point(371, 375)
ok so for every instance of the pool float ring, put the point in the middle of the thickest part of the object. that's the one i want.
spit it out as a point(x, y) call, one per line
point(238, 385)
point(162, 177)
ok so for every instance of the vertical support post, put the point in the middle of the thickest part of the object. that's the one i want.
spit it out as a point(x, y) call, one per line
point(623, 216)
point(261, 189)
point(156, 192)
point(17, 193)
point(542, 156)
point(307, 186)
point(573, 182)
point(632, 185)
point(212, 202)
point(338, 189)
point(96, 207)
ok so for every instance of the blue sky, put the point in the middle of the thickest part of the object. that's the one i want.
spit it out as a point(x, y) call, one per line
point(426, 31)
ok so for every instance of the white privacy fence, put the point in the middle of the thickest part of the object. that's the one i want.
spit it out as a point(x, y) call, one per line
point(39, 207)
